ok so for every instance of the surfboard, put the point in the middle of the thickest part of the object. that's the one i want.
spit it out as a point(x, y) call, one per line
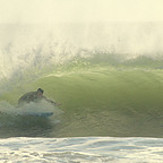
point(33, 114)
point(38, 114)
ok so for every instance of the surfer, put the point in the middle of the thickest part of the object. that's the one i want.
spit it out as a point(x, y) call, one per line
point(35, 96)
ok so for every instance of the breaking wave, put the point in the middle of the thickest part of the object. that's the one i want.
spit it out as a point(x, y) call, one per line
point(107, 76)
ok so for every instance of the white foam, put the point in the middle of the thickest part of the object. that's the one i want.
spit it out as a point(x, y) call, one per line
point(88, 149)
point(41, 107)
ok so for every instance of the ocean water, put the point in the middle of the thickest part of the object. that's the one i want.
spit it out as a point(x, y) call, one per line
point(108, 79)
point(81, 149)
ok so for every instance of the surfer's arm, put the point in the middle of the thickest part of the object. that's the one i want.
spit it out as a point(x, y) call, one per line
point(51, 101)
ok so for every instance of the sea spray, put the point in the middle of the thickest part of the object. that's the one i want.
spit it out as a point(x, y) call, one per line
point(37, 46)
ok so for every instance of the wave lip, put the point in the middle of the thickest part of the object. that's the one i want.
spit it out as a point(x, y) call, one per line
point(34, 46)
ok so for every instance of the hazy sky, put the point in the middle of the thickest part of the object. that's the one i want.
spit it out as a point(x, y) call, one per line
point(51, 11)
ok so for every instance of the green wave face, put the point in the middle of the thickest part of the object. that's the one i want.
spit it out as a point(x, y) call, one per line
point(103, 100)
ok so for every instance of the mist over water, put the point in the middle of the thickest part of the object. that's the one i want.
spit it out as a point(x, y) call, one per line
point(24, 46)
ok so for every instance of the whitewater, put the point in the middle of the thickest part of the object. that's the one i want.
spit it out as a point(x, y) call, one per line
point(108, 79)
point(90, 149)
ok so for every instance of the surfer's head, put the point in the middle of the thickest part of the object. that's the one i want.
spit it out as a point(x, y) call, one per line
point(40, 92)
